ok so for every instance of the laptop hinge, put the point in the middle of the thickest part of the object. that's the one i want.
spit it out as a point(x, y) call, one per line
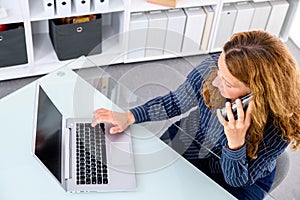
point(68, 154)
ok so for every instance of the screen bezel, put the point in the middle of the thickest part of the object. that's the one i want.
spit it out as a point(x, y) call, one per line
point(36, 102)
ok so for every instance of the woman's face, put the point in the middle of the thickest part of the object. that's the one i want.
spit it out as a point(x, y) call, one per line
point(229, 86)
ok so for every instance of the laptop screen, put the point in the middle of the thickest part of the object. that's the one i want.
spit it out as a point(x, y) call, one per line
point(48, 142)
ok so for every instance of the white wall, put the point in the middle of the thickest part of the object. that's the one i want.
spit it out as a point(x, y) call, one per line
point(295, 28)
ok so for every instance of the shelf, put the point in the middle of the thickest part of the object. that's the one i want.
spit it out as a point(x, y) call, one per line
point(43, 49)
point(42, 58)
point(238, 1)
point(143, 5)
point(13, 10)
point(36, 10)
point(15, 72)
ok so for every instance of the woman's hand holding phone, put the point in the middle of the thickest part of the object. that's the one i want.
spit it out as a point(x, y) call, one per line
point(236, 129)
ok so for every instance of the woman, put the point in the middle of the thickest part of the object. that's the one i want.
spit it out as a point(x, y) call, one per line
point(254, 63)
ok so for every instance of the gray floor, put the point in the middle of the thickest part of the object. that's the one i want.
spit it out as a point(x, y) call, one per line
point(140, 78)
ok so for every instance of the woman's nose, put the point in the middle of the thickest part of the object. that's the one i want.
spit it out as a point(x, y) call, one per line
point(217, 82)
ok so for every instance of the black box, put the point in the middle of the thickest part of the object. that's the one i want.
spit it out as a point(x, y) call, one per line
point(74, 40)
point(13, 46)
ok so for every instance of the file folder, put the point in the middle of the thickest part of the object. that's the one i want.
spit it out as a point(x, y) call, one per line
point(100, 5)
point(82, 6)
point(225, 27)
point(63, 7)
point(277, 16)
point(156, 33)
point(208, 26)
point(49, 7)
point(193, 29)
point(261, 15)
point(137, 36)
point(175, 31)
point(244, 17)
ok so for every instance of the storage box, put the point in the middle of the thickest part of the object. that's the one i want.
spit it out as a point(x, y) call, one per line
point(82, 6)
point(100, 5)
point(13, 47)
point(137, 36)
point(49, 7)
point(277, 16)
point(210, 14)
point(74, 40)
point(175, 31)
point(261, 15)
point(194, 27)
point(157, 28)
point(63, 7)
point(226, 24)
point(244, 16)
point(170, 3)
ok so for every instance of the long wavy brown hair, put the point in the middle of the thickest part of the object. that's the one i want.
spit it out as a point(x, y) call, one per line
point(265, 65)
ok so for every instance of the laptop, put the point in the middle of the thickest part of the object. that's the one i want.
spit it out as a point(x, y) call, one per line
point(81, 158)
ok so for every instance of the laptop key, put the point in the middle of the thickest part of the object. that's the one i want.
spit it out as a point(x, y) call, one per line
point(94, 180)
point(105, 181)
point(99, 180)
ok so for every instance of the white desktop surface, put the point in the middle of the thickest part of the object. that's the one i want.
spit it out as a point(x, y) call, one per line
point(161, 172)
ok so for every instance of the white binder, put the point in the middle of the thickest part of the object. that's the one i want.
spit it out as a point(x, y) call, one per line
point(225, 27)
point(156, 33)
point(100, 5)
point(193, 29)
point(82, 6)
point(208, 26)
point(244, 17)
point(137, 35)
point(277, 16)
point(3, 13)
point(63, 7)
point(175, 31)
point(261, 15)
point(49, 7)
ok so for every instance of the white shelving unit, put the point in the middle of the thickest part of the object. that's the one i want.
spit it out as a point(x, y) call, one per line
point(42, 58)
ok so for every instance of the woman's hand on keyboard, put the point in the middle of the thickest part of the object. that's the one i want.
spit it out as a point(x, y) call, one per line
point(120, 120)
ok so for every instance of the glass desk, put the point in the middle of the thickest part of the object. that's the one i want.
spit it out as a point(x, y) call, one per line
point(124, 91)
point(161, 173)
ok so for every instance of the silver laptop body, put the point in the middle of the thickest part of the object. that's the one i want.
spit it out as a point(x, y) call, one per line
point(81, 162)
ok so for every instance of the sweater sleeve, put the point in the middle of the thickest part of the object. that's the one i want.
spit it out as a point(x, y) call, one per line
point(177, 102)
point(240, 171)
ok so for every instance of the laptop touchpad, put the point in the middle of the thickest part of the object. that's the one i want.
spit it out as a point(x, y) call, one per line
point(120, 153)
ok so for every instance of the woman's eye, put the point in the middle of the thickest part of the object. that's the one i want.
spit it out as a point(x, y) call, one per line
point(228, 85)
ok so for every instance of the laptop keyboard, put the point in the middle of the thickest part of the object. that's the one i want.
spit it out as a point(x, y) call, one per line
point(91, 164)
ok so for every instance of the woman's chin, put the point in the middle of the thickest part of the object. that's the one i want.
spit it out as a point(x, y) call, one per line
point(223, 95)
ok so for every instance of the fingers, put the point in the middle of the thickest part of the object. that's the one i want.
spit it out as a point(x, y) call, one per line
point(115, 129)
point(102, 112)
point(115, 118)
point(230, 115)
point(243, 117)
point(102, 115)
point(240, 113)
point(248, 113)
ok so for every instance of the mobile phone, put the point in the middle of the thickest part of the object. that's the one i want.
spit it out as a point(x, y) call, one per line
point(222, 114)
